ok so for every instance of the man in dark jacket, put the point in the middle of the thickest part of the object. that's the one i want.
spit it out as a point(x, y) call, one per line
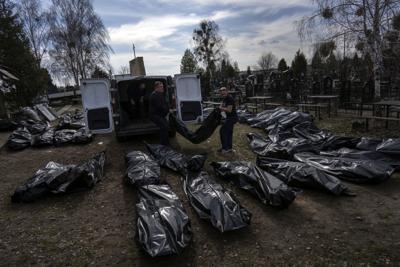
point(228, 111)
point(158, 110)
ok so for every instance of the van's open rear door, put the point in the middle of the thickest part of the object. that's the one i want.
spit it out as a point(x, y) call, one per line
point(96, 101)
point(188, 97)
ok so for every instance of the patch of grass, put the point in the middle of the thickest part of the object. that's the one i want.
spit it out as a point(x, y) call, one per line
point(343, 126)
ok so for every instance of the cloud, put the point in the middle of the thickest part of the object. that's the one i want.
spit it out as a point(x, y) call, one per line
point(152, 30)
point(262, 42)
point(149, 30)
point(250, 27)
point(279, 37)
point(244, 3)
point(159, 39)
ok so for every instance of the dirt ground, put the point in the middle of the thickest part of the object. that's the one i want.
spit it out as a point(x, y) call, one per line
point(97, 227)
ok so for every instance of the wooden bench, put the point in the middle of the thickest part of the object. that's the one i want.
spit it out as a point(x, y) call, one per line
point(317, 108)
point(252, 107)
point(368, 118)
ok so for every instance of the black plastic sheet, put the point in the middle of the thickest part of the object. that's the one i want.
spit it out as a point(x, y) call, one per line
point(308, 130)
point(244, 115)
point(265, 186)
point(389, 146)
point(19, 139)
point(206, 129)
point(141, 169)
point(368, 143)
point(34, 127)
point(174, 160)
point(323, 139)
point(57, 178)
point(38, 132)
point(283, 150)
point(72, 121)
point(45, 180)
point(163, 227)
point(214, 203)
point(158, 192)
point(44, 139)
point(209, 199)
point(334, 142)
point(298, 174)
point(168, 157)
point(286, 138)
point(90, 172)
point(27, 113)
point(303, 133)
point(276, 134)
point(288, 121)
point(81, 137)
point(195, 163)
point(392, 160)
point(268, 117)
point(258, 143)
point(69, 136)
point(63, 137)
point(353, 170)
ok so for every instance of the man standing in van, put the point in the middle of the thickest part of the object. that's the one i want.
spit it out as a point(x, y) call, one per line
point(228, 111)
point(158, 110)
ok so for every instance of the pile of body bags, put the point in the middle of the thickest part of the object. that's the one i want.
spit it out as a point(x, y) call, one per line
point(35, 130)
point(293, 144)
point(163, 226)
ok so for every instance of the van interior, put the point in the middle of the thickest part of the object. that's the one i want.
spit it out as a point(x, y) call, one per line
point(134, 102)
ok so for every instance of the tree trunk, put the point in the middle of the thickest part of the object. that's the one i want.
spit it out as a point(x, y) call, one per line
point(377, 49)
point(377, 60)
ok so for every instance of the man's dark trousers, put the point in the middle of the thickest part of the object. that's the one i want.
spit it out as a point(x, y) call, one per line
point(226, 132)
point(162, 123)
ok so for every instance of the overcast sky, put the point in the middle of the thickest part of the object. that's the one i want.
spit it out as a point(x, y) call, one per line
point(162, 29)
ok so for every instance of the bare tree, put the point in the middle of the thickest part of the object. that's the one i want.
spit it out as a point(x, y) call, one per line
point(124, 70)
point(358, 21)
point(78, 37)
point(267, 61)
point(35, 25)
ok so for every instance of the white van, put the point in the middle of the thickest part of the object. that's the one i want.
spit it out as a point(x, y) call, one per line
point(122, 105)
